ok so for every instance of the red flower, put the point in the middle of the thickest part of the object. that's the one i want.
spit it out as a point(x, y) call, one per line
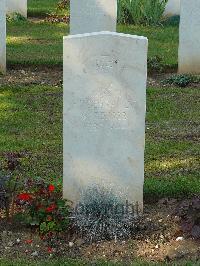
point(51, 208)
point(24, 196)
point(28, 241)
point(51, 188)
point(39, 206)
point(49, 218)
point(50, 250)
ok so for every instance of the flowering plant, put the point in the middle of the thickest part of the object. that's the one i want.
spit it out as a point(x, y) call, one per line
point(43, 206)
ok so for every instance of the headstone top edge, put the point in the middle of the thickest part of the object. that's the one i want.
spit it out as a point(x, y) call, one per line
point(108, 33)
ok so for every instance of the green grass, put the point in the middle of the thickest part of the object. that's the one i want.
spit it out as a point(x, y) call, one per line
point(41, 8)
point(31, 43)
point(31, 119)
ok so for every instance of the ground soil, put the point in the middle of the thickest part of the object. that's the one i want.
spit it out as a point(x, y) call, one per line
point(158, 238)
point(20, 75)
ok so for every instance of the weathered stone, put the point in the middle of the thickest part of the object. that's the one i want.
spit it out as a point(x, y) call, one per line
point(2, 36)
point(104, 114)
point(92, 16)
point(172, 8)
point(189, 37)
point(16, 6)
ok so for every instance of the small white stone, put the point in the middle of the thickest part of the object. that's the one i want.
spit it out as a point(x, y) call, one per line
point(180, 238)
point(18, 240)
point(34, 254)
point(71, 244)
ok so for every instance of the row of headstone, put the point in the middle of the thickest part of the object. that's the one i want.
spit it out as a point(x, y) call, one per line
point(16, 6)
point(104, 104)
point(2, 36)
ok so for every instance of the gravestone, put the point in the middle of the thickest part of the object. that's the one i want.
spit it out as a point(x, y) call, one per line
point(92, 16)
point(172, 8)
point(104, 114)
point(189, 37)
point(16, 6)
point(2, 36)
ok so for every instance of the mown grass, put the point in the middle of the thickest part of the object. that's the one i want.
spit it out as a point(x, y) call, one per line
point(41, 8)
point(31, 43)
point(31, 119)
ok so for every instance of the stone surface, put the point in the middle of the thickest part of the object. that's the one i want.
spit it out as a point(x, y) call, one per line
point(92, 16)
point(189, 37)
point(172, 8)
point(2, 36)
point(104, 114)
point(18, 6)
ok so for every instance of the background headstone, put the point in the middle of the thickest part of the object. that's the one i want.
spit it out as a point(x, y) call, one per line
point(2, 36)
point(104, 114)
point(16, 6)
point(189, 37)
point(172, 8)
point(92, 16)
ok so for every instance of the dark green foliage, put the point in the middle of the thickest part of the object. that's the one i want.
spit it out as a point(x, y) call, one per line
point(155, 63)
point(189, 212)
point(10, 181)
point(15, 17)
point(181, 80)
point(172, 21)
point(141, 12)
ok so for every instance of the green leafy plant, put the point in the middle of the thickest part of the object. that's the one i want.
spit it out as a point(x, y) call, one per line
point(145, 12)
point(155, 63)
point(10, 181)
point(181, 80)
point(42, 205)
point(189, 212)
point(15, 17)
point(172, 21)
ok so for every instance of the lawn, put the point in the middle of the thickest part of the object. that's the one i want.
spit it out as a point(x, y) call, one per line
point(31, 119)
point(41, 8)
point(40, 43)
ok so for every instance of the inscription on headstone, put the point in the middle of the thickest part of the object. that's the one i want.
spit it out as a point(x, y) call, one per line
point(104, 113)
point(92, 16)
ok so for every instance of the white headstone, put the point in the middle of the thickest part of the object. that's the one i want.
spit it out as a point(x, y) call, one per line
point(189, 37)
point(104, 114)
point(2, 36)
point(16, 6)
point(92, 16)
point(172, 8)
